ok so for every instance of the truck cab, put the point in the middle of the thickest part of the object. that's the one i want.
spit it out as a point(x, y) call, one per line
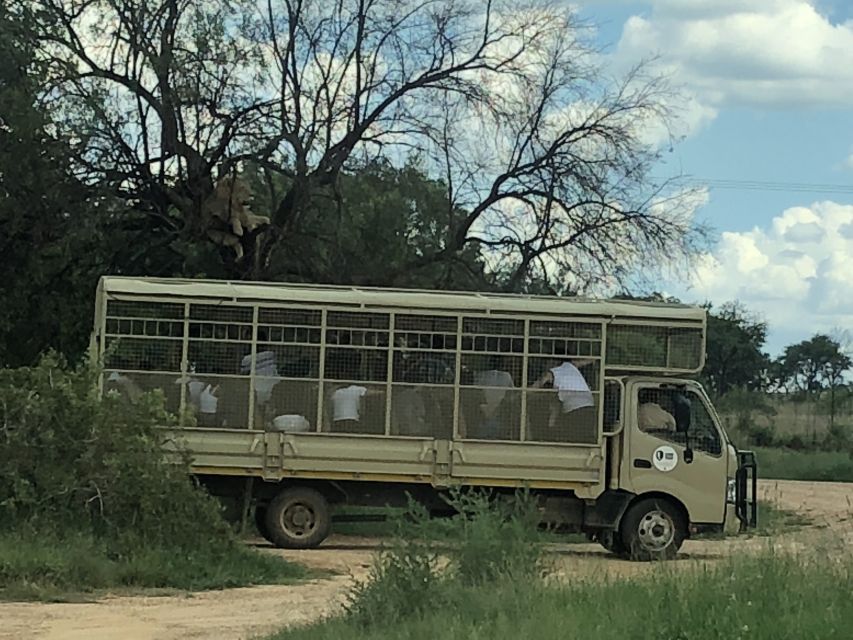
point(671, 446)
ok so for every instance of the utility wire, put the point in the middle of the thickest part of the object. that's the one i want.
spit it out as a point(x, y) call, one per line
point(761, 185)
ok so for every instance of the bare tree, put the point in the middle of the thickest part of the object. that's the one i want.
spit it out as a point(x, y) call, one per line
point(543, 155)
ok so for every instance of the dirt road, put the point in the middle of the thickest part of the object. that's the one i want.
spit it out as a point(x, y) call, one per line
point(250, 612)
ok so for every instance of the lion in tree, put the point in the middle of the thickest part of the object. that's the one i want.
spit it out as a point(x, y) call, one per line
point(228, 215)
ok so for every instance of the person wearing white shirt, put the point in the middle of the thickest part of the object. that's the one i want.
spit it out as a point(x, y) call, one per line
point(573, 418)
point(494, 421)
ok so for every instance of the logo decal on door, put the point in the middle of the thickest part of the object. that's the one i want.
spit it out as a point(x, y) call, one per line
point(664, 458)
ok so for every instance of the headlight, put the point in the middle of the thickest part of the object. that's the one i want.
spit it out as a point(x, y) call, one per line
point(731, 492)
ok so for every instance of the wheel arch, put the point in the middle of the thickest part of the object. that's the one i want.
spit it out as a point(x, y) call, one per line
point(333, 492)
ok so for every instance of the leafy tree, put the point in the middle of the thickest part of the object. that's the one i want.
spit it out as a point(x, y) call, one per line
point(377, 219)
point(50, 247)
point(815, 365)
point(735, 356)
point(540, 155)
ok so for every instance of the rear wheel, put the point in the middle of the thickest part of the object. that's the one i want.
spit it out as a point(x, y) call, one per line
point(298, 518)
point(653, 529)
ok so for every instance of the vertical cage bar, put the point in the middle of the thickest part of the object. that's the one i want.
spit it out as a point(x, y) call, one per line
point(389, 378)
point(522, 434)
point(457, 379)
point(321, 375)
point(185, 365)
point(253, 351)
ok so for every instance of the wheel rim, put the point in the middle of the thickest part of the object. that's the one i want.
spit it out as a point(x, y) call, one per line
point(298, 520)
point(656, 530)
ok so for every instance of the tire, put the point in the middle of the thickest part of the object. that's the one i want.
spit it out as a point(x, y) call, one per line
point(298, 518)
point(653, 529)
point(261, 522)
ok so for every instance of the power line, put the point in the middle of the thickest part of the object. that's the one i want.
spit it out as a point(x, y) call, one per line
point(762, 185)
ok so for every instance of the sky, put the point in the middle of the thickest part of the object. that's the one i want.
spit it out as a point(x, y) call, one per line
point(767, 98)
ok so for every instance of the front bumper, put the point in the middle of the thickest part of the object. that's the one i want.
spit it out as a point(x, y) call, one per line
point(746, 490)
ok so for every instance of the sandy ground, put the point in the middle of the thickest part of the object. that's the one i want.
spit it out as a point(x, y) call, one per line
point(251, 612)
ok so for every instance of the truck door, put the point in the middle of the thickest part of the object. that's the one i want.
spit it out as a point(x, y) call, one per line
point(658, 458)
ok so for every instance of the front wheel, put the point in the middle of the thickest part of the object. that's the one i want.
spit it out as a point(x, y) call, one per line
point(653, 529)
point(298, 518)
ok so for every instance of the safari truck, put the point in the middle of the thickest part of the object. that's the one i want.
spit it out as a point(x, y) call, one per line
point(299, 399)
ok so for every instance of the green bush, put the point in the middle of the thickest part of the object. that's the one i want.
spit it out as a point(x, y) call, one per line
point(74, 460)
point(405, 577)
point(89, 500)
point(493, 539)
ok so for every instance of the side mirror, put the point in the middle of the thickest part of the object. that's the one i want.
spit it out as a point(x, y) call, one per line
point(682, 413)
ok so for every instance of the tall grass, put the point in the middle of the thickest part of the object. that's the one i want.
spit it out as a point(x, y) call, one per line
point(787, 464)
point(768, 597)
point(44, 567)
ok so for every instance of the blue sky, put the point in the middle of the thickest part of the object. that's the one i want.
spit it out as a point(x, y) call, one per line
point(768, 97)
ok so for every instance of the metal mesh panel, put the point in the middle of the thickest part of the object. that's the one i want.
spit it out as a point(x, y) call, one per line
point(223, 358)
point(355, 408)
point(551, 418)
point(232, 406)
point(131, 385)
point(420, 410)
point(685, 348)
point(349, 363)
point(142, 354)
point(145, 327)
point(703, 434)
point(358, 320)
point(289, 317)
point(285, 361)
point(125, 309)
point(654, 347)
point(490, 413)
point(612, 411)
point(276, 397)
point(578, 330)
point(221, 313)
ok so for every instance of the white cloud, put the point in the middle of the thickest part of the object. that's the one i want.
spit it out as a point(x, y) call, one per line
point(797, 272)
point(778, 53)
point(849, 162)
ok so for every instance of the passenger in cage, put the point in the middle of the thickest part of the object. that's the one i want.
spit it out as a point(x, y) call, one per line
point(348, 401)
point(573, 417)
point(493, 420)
point(266, 378)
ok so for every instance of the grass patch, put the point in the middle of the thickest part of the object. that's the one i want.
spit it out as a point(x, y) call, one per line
point(773, 520)
point(761, 597)
point(787, 464)
point(49, 568)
